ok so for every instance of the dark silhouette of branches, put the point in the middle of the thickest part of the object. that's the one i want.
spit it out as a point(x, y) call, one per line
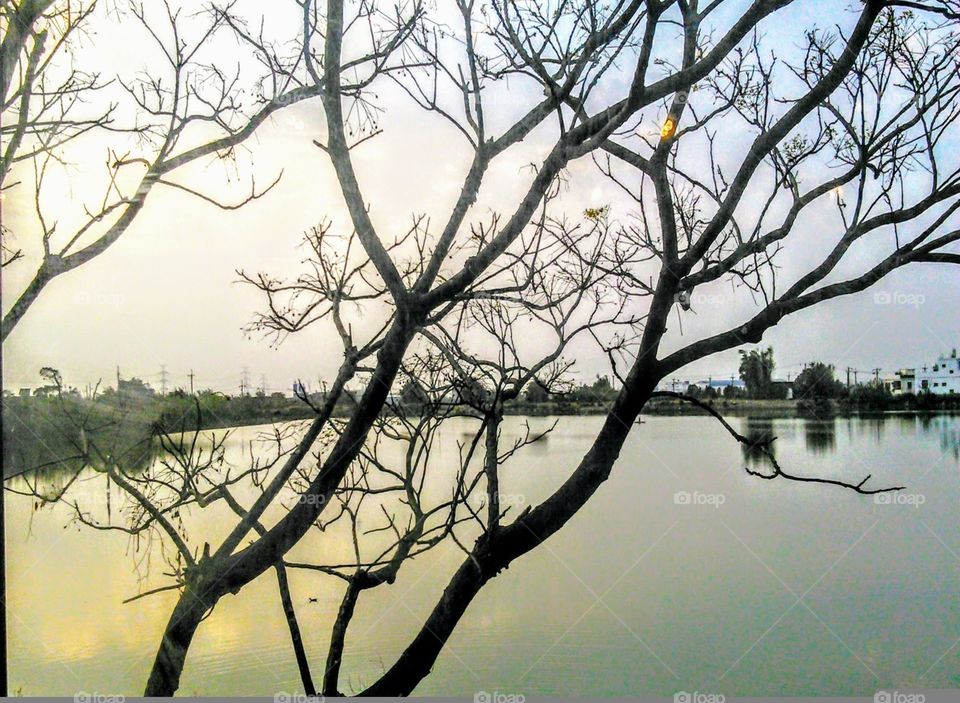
point(689, 230)
point(47, 99)
point(728, 150)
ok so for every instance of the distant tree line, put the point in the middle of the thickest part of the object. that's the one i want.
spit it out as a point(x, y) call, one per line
point(817, 390)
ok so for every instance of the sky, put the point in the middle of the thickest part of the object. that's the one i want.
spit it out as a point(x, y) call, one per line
point(166, 295)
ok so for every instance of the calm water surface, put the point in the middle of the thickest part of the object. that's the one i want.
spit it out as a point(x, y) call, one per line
point(736, 585)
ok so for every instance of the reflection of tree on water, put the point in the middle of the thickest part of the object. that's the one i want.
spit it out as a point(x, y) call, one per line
point(52, 481)
point(820, 436)
point(864, 425)
point(759, 430)
point(925, 421)
point(58, 437)
point(53, 467)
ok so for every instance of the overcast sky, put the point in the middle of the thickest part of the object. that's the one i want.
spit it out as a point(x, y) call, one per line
point(166, 293)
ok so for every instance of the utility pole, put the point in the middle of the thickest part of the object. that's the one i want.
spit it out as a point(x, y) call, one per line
point(876, 376)
point(163, 379)
point(848, 376)
point(119, 394)
point(190, 375)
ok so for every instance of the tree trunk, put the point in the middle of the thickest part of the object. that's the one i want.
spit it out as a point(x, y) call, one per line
point(498, 549)
point(231, 573)
point(168, 665)
point(295, 638)
point(338, 637)
point(417, 659)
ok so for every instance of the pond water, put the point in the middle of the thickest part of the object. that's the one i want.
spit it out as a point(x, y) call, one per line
point(682, 573)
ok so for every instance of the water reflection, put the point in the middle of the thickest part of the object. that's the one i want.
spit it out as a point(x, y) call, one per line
point(949, 432)
point(759, 430)
point(867, 426)
point(942, 426)
point(820, 436)
point(58, 438)
point(712, 598)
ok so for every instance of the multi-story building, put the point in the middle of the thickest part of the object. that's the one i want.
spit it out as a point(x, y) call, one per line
point(943, 378)
point(903, 381)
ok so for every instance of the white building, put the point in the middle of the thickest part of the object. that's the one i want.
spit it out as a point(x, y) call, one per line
point(903, 381)
point(718, 384)
point(943, 378)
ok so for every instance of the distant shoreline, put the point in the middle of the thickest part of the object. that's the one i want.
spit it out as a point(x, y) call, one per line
point(740, 407)
point(776, 409)
point(36, 433)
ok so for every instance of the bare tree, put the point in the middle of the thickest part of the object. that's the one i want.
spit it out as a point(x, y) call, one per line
point(397, 501)
point(183, 111)
point(874, 103)
point(862, 117)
